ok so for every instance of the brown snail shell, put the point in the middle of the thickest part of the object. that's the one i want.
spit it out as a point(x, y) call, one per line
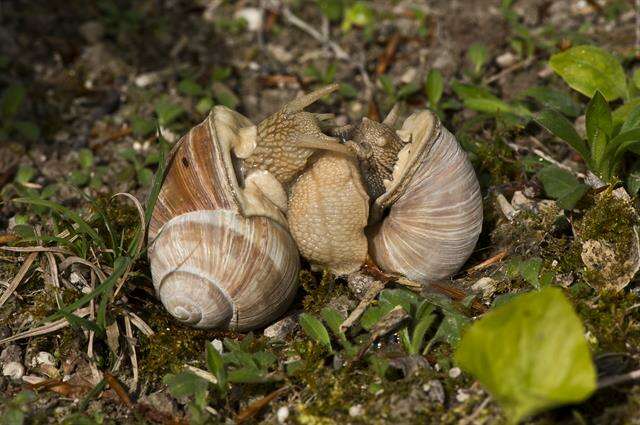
point(220, 251)
point(327, 214)
point(431, 211)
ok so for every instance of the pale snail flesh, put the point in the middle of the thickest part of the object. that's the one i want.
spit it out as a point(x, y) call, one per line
point(221, 254)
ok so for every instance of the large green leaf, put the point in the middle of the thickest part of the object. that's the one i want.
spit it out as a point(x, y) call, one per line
point(562, 128)
point(554, 99)
point(599, 126)
point(530, 353)
point(315, 329)
point(590, 68)
point(562, 186)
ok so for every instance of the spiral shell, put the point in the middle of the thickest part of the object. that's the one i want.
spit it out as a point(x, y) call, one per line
point(220, 251)
point(327, 214)
point(433, 206)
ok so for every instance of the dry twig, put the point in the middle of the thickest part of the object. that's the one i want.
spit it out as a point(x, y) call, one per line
point(18, 278)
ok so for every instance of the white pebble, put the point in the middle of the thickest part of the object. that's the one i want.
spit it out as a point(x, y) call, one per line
point(462, 396)
point(356, 410)
point(454, 372)
point(44, 358)
point(217, 344)
point(253, 16)
point(283, 414)
point(13, 370)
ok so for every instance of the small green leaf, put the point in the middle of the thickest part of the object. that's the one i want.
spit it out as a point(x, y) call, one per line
point(478, 56)
point(332, 9)
point(85, 156)
point(11, 101)
point(434, 87)
point(560, 127)
point(530, 354)
point(247, 375)
point(142, 127)
point(469, 91)
point(221, 74)
point(599, 126)
point(190, 88)
point(407, 90)
point(227, 98)
point(215, 363)
point(204, 105)
point(315, 330)
point(360, 14)
point(168, 112)
point(530, 271)
point(79, 178)
point(621, 114)
point(348, 91)
point(562, 186)
point(555, 99)
point(144, 176)
point(419, 331)
point(24, 174)
point(184, 384)
point(496, 106)
point(588, 69)
point(632, 121)
point(387, 85)
point(636, 78)
point(633, 179)
point(27, 129)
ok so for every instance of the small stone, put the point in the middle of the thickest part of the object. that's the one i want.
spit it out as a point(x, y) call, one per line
point(282, 414)
point(253, 16)
point(409, 76)
point(462, 396)
point(217, 344)
point(486, 285)
point(11, 353)
point(454, 372)
point(435, 391)
point(359, 284)
point(144, 80)
point(13, 370)
point(356, 410)
point(281, 54)
point(520, 202)
point(506, 59)
point(283, 327)
point(43, 358)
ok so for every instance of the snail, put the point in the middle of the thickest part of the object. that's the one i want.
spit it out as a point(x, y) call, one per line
point(220, 250)
point(426, 212)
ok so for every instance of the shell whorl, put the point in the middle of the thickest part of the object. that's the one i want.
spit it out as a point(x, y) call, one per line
point(434, 206)
point(219, 269)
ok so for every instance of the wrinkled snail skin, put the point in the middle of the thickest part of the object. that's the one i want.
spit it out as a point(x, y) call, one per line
point(220, 251)
point(433, 206)
point(328, 211)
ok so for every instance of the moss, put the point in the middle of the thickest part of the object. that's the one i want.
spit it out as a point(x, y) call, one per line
point(319, 293)
point(172, 345)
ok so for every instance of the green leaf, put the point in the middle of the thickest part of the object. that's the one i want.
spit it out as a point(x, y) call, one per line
point(360, 14)
point(562, 186)
point(27, 129)
point(142, 127)
point(221, 74)
point(419, 331)
point(562, 128)
point(402, 297)
point(184, 384)
point(167, 111)
point(24, 174)
point(387, 85)
point(407, 90)
point(190, 88)
point(624, 142)
point(636, 78)
point(633, 179)
point(478, 56)
point(451, 327)
point(144, 176)
point(599, 126)
point(227, 98)
point(332, 9)
point(496, 106)
point(530, 271)
point(632, 121)
point(215, 363)
point(621, 114)
point(247, 375)
point(588, 69)
point(348, 91)
point(434, 87)
point(530, 354)
point(11, 101)
point(315, 330)
point(555, 99)
point(204, 105)
point(85, 156)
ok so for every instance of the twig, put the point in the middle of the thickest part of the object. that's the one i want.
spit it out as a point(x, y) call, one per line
point(515, 67)
point(369, 296)
point(488, 262)
point(202, 374)
point(609, 381)
point(140, 324)
point(338, 51)
point(132, 354)
point(254, 408)
point(114, 384)
point(46, 328)
point(389, 53)
point(388, 323)
point(34, 249)
point(471, 418)
point(18, 278)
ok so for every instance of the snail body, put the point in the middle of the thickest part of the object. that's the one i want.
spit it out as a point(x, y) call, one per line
point(220, 251)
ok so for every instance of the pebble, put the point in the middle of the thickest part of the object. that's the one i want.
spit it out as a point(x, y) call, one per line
point(435, 391)
point(282, 414)
point(217, 344)
point(282, 328)
point(454, 372)
point(462, 396)
point(356, 410)
point(13, 370)
point(506, 59)
point(253, 16)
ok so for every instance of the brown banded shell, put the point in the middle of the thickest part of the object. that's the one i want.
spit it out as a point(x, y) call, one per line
point(327, 214)
point(220, 251)
point(432, 210)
